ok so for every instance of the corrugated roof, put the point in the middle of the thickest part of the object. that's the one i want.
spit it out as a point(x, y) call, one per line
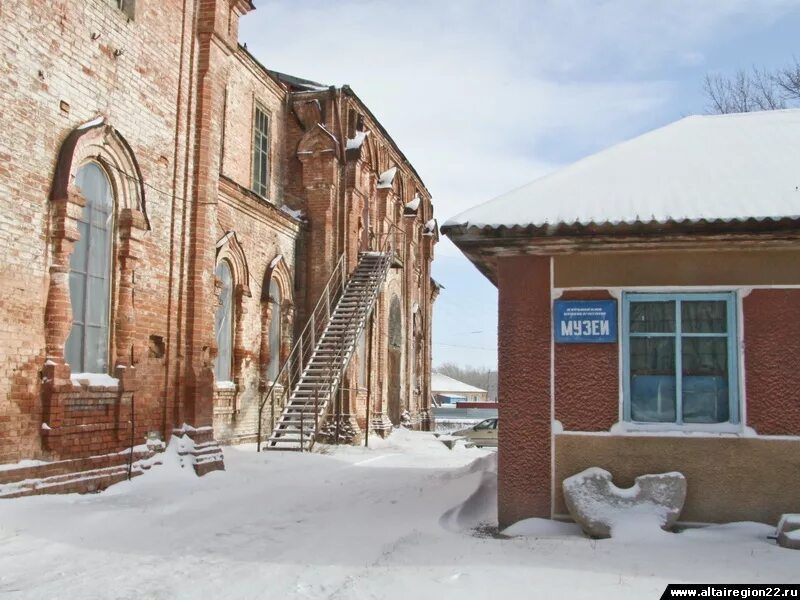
point(733, 167)
point(443, 383)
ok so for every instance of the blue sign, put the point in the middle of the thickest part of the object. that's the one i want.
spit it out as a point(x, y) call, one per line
point(585, 321)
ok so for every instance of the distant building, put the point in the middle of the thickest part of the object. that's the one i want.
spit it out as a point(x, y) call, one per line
point(648, 318)
point(446, 390)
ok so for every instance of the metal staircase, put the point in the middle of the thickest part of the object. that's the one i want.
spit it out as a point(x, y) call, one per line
point(309, 379)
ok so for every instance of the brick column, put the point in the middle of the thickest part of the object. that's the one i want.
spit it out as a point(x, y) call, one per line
point(58, 315)
point(319, 153)
point(131, 227)
point(264, 356)
point(214, 48)
point(524, 467)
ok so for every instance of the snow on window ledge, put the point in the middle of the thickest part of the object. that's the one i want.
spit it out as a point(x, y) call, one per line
point(225, 385)
point(94, 380)
point(673, 429)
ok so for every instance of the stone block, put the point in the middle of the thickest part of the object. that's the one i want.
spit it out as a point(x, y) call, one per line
point(788, 531)
point(598, 505)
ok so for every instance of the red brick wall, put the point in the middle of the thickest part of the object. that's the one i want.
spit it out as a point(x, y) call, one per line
point(587, 380)
point(524, 469)
point(772, 361)
point(55, 78)
point(170, 91)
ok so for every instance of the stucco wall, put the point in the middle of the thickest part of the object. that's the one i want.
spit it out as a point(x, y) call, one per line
point(729, 479)
point(523, 478)
point(722, 266)
point(587, 379)
point(772, 361)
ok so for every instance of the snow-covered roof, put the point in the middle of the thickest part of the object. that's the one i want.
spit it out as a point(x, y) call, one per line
point(412, 206)
point(355, 142)
point(443, 383)
point(731, 167)
point(387, 178)
point(295, 214)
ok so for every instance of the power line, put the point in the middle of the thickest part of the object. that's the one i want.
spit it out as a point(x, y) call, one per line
point(468, 347)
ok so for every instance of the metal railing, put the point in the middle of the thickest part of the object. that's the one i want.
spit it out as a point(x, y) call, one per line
point(330, 384)
point(292, 370)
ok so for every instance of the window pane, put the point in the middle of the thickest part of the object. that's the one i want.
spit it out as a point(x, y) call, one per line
point(224, 325)
point(705, 379)
point(80, 251)
point(96, 313)
point(261, 152)
point(362, 359)
point(73, 349)
point(77, 287)
point(99, 251)
point(703, 316)
point(96, 350)
point(652, 379)
point(90, 274)
point(274, 331)
point(652, 317)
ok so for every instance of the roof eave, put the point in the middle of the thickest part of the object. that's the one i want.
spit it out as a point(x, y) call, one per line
point(484, 245)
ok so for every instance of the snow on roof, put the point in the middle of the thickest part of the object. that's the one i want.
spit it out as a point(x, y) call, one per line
point(355, 142)
point(719, 167)
point(295, 214)
point(413, 205)
point(387, 178)
point(93, 123)
point(443, 383)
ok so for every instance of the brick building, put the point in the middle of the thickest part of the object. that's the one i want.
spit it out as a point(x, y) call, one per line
point(172, 213)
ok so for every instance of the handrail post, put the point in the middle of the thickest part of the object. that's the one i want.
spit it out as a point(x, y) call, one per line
point(272, 409)
point(258, 435)
point(302, 438)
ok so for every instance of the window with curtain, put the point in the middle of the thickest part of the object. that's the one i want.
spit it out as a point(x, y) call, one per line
point(223, 323)
point(86, 349)
point(261, 152)
point(680, 358)
point(274, 331)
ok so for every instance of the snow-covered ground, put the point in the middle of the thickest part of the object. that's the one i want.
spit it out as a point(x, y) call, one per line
point(395, 521)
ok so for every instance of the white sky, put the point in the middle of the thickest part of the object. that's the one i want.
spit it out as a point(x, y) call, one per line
point(483, 97)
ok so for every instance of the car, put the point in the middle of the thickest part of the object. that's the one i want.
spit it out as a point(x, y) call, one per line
point(482, 434)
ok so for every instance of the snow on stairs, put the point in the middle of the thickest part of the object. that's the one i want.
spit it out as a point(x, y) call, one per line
point(198, 448)
point(80, 475)
point(309, 400)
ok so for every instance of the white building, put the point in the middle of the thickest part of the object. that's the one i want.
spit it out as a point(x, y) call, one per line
point(446, 390)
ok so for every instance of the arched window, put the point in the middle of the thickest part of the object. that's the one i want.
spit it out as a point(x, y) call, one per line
point(362, 359)
point(223, 323)
point(86, 349)
point(274, 330)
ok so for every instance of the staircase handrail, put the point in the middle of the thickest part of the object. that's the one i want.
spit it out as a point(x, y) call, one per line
point(386, 252)
point(336, 282)
point(330, 294)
